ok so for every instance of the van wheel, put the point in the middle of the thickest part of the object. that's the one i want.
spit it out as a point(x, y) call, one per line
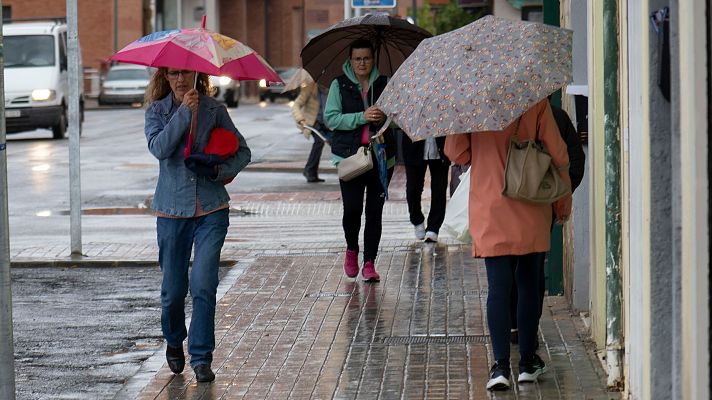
point(59, 131)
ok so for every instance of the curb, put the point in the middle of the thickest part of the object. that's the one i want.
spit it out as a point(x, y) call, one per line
point(119, 263)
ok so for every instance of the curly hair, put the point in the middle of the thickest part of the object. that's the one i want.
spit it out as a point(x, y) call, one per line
point(159, 87)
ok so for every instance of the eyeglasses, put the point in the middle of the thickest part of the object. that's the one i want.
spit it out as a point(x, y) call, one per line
point(183, 72)
point(364, 60)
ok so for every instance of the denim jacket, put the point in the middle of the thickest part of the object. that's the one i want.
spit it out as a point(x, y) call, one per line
point(166, 130)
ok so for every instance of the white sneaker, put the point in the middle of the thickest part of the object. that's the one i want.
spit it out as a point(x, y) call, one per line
point(431, 237)
point(420, 231)
point(499, 377)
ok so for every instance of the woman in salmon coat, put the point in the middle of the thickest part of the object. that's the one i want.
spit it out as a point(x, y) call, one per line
point(510, 235)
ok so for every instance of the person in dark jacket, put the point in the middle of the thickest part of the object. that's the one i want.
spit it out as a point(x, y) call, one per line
point(577, 160)
point(420, 156)
point(350, 113)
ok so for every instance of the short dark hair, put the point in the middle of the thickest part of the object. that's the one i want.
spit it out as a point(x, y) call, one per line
point(361, 44)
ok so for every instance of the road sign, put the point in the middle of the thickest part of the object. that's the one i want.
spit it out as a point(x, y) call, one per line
point(373, 3)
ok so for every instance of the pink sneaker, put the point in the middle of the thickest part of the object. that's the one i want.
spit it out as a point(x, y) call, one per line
point(351, 263)
point(369, 273)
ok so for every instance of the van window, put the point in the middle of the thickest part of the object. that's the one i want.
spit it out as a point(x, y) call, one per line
point(29, 51)
point(62, 45)
point(63, 51)
point(128, 74)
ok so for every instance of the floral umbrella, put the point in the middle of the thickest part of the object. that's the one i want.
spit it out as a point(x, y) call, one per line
point(477, 78)
point(198, 49)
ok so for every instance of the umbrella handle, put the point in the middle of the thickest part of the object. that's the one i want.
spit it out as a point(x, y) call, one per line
point(195, 85)
point(383, 128)
point(315, 131)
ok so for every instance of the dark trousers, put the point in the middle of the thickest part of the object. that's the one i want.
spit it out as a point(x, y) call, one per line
point(415, 180)
point(502, 272)
point(311, 169)
point(542, 291)
point(352, 194)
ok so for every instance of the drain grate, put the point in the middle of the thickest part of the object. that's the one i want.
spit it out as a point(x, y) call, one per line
point(405, 340)
point(473, 292)
point(328, 294)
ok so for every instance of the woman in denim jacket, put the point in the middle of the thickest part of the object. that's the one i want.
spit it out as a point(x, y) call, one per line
point(191, 206)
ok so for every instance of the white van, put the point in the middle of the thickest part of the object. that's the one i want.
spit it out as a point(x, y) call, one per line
point(36, 78)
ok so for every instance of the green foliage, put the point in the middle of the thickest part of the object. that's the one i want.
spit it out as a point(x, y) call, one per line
point(451, 17)
point(424, 17)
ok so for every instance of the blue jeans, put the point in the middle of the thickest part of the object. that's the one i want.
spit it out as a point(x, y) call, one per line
point(176, 237)
point(502, 272)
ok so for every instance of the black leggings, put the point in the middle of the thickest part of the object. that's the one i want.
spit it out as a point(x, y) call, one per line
point(352, 193)
point(502, 272)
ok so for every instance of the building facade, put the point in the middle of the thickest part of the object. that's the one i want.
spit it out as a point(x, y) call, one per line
point(276, 29)
point(650, 112)
point(104, 25)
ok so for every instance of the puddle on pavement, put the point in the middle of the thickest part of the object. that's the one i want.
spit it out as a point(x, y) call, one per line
point(143, 211)
point(134, 166)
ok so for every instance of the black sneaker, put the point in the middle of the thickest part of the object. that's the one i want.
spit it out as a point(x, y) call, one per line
point(499, 377)
point(312, 178)
point(529, 370)
point(203, 373)
point(175, 359)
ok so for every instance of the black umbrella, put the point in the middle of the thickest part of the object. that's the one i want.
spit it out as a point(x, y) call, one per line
point(393, 38)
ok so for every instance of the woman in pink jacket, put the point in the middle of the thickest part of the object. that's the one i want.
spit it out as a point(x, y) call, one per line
point(510, 235)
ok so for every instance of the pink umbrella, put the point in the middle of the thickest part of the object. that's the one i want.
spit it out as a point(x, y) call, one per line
point(198, 49)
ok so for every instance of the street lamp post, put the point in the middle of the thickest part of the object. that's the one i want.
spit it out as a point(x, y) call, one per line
point(75, 189)
point(7, 352)
point(347, 9)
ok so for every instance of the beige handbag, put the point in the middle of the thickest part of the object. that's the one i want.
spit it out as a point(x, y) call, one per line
point(530, 175)
point(355, 165)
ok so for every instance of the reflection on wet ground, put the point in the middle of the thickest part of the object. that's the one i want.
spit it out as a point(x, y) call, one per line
point(293, 326)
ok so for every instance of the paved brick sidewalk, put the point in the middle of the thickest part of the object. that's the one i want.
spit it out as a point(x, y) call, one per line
point(292, 326)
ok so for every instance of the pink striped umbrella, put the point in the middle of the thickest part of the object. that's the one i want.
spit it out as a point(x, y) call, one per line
point(198, 49)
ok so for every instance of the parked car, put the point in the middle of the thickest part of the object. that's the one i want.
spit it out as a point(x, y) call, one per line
point(275, 91)
point(124, 84)
point(36, 76)
point(226, 90)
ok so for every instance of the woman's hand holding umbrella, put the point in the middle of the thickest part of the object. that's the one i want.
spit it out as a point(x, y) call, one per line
point(190, 99)
point(374, 114)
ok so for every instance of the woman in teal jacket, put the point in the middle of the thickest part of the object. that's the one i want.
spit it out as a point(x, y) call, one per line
point(350, 113)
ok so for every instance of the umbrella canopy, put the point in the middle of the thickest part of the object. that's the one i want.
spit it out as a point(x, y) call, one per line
point(393, 38)
point(477, 78)
point(198, 49)
point(299, 79)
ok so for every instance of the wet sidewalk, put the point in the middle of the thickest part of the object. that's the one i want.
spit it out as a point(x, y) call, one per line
point(291, 325)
